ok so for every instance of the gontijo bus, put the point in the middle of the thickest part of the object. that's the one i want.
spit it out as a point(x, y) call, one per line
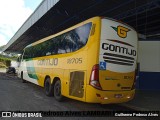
point(93, 61)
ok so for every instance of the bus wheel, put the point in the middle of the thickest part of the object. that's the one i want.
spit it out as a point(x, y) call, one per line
point(23, 81)
point(57, 91)
point(48, 87)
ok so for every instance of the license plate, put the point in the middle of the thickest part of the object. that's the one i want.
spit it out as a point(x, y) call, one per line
point(118, 95)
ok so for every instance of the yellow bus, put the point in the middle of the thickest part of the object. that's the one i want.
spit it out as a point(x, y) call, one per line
point(93, 61)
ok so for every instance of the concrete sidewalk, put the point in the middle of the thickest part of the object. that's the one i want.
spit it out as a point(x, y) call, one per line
point(2, 70)
point(145, 100)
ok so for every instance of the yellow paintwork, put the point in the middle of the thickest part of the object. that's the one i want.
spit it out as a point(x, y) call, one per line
point(90, 56)
point(114, 78)
point(91, 96)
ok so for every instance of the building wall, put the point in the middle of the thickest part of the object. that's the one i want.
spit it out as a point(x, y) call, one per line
point(149, 59)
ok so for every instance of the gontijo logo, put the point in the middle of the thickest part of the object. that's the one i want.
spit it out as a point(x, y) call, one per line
point(121, 31)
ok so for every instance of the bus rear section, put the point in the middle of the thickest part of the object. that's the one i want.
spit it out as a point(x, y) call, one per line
point(112, 79)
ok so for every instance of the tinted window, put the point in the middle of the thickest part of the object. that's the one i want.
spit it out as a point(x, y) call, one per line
point(65, 43)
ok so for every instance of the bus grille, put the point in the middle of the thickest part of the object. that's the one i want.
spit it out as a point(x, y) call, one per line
point(118, 59)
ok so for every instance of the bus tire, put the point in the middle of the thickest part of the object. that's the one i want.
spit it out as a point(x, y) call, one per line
point(48, 87)
point(57, 91)
point(23, 81)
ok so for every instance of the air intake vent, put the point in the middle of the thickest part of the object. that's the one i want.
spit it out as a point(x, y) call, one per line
point(118, 59)
point(76, 84)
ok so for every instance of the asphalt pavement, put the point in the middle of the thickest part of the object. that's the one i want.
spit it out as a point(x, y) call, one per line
point(18, 96)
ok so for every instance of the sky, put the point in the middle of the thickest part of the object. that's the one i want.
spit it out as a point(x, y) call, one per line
point(13, 13)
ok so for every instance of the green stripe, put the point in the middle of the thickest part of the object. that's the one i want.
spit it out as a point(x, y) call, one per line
point(31, 70)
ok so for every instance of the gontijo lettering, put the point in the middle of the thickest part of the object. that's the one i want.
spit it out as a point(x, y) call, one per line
point(119, 49)
point(50, 62)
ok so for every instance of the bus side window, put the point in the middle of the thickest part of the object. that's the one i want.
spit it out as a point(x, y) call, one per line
point(28, 53)
point(65, 43)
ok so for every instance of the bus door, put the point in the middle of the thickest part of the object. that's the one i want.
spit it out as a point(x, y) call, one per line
point(118, 55)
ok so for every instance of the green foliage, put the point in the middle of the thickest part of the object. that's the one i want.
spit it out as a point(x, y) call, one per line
point(4, 62)
point(8, 63)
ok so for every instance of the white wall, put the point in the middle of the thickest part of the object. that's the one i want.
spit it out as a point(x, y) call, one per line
point(149, 56)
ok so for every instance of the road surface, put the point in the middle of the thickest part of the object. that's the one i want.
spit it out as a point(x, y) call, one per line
point(18, 96)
